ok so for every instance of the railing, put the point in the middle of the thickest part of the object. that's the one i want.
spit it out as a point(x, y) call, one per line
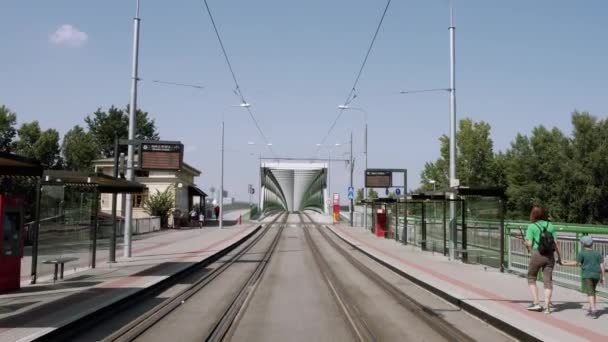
point(568, 243)
point(142, 225)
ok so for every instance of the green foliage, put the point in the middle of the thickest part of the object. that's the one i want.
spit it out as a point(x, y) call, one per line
point(360, 195)
point(106, 126)
point(565, 174)
point(160, 204)
point(475, 164)
point(372, 194)
point(79, 149)
point(8, 120)
point(38, 144)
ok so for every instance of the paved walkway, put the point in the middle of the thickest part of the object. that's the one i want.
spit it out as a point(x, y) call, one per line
point(39, 309)
point(503, 296)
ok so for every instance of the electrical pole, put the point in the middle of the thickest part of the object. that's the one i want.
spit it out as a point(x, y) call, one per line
point(132, 128)
point(352, 167)
point(364, 187)
point(453, 180)
point(222, 182)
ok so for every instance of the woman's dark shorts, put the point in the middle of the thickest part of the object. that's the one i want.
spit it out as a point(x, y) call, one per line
point(538, 262)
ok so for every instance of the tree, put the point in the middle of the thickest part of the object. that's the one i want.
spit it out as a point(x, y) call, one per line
point(360, 195)
point(8, 120)
point(79, 149)
point(160, 204)
point(38, 144)
point(29, 133)
point(372, 194)
point(587, 178)
point(474, 158)
point(47, 149)
point(106, 126)
point(536, 170)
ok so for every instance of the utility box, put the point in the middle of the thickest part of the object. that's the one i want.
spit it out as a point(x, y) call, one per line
point(11, 243)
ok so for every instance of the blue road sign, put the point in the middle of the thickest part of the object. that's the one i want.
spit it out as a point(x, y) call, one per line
point(351, 192)
point(398, 192)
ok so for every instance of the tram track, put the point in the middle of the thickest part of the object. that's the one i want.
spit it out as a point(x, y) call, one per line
point(425, 314)
point(151, 318)
point(352, 313)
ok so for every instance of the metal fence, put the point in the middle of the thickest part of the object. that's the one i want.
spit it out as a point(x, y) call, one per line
point(428, 228)
point(568, 243)
point(142, 225)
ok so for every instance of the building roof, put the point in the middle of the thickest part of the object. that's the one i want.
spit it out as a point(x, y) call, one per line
point(195, 191)
point(103, 183)
point(15, 165)
point(110, 162)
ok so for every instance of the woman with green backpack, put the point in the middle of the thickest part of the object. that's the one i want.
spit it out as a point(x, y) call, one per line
point(541, 242)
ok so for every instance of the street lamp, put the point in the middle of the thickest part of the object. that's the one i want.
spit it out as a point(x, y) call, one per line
point(241, 105)
point(347, 107)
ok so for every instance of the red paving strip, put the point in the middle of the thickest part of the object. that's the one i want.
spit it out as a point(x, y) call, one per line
point(551, 320)
point(28, 317)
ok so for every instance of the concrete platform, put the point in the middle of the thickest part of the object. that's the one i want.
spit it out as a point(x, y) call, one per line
point(39, 309)
point(498, 297)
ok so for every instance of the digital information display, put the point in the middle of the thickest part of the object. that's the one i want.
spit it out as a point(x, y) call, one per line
point(378, 179)
point(161, 156)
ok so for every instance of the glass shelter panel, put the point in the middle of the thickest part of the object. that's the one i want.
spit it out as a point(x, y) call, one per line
point(66, 216)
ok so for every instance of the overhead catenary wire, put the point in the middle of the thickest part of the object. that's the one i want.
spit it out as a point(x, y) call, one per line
point(237, 89)
point(352, 94)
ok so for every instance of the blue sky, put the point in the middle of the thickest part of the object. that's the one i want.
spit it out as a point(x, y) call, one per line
point(519, 64)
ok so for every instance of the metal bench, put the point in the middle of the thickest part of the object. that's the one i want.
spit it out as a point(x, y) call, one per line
point(57, 262)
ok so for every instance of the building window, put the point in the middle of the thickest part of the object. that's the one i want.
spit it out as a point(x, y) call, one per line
point(142, 173)
point(140, 199)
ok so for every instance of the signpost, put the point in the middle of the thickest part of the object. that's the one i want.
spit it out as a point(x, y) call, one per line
point(351, 192)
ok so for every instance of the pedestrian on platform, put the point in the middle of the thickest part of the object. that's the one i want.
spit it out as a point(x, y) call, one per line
point(193, 216)
point(541, 242)
point(216, 211)
point(594, 272)
point(201, 220)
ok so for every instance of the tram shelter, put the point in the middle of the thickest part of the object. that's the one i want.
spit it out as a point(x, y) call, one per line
point(71, 226)
point(479, 223)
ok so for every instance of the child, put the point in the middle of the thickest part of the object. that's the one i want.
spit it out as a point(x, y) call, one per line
point(592, 264)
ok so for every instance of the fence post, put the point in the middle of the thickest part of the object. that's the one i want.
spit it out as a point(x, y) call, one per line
point(423, 228)
point(445, 235)
point(465, 256)
point(502, 235)
point(577, 248)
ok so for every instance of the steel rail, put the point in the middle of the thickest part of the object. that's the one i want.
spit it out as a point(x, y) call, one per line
point(228, 319)
point(352, 313)
point(426, 314)
point(144, 322)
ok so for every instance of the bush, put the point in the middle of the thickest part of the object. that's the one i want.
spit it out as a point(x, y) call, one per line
point(160, 204)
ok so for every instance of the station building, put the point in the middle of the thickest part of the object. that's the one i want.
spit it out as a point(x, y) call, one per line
point(182, 182)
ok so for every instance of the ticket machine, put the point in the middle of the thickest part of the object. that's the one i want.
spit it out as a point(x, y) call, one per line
point(11, 243)
point(381, 222)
